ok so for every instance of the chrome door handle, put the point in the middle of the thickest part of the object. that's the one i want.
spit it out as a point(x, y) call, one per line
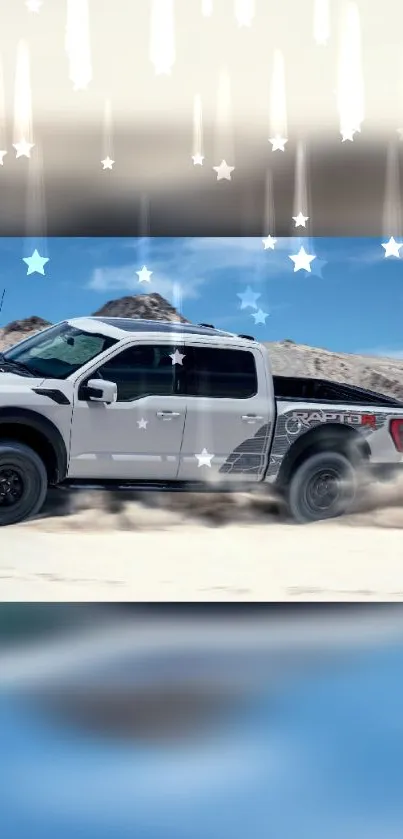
point(167, 414)
point(251, 417)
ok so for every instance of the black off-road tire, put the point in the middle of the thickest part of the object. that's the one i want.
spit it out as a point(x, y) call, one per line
point(23, 482)
point(322, 487)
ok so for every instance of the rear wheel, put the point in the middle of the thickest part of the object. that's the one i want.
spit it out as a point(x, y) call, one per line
point(323, 487)
point(23, 482)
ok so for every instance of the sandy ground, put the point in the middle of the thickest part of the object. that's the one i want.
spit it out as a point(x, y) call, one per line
point(203, 548)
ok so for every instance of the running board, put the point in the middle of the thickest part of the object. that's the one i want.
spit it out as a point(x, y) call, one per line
point(166, 486)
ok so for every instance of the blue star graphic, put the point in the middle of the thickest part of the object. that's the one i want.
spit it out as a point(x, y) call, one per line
point(35, 263)
point(248, 298)
point(318, 266)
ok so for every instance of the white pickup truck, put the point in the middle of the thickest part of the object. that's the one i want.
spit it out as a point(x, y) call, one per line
point(136, 404)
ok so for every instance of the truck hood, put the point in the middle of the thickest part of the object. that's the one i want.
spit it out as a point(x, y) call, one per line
point(7, 379)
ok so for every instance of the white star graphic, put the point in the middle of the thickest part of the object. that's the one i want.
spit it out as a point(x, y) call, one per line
point(23, 148)
point(223, 171)
point(204, 459)
point(35, 263)
point(400, 133)
point(144, 275)
point(302, 260)
point(142, 423)
point(300, 220)
point(248, 298)
point(107, 163)
point(33, 5)
point(177, 357)
point(278, 143)
point(198, 159)
point(348, 134)
point(392, 247)
point(269, 242)
point(260, 316)
point(2, 155)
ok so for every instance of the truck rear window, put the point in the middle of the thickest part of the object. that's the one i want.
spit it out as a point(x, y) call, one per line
point(220, 373)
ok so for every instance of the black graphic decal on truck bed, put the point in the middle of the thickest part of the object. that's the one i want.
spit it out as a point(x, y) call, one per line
point(292, 424)
point(251, 455)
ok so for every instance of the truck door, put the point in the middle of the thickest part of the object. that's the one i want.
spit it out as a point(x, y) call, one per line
point(229, 414)
point(139, 436)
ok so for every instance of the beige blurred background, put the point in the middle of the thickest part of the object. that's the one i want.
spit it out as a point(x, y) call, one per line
point(150, 129)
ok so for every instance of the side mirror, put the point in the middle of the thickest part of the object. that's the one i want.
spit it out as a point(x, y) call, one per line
point(97, 390)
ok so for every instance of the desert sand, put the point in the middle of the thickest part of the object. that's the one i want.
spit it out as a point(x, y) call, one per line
point(189, 548)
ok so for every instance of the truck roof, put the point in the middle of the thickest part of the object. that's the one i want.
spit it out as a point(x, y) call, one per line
point(122, 327)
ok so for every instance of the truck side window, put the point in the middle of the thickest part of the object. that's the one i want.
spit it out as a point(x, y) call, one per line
point(143, 370)
point(219, 373)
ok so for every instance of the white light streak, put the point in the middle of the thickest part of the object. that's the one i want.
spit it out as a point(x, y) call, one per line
point(350, 92)
point(77, 43)
point(198, 156)
point(321, 22)
point(207, 8)
point(23, 133)
point(392, 214)
point(278, 102)
point(162, 36)
point(245, 12)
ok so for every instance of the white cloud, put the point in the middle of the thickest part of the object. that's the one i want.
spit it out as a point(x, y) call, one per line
point(239, 251)
point(371, 254)
point(212, 253)
point(190, 263)
point(123, 278)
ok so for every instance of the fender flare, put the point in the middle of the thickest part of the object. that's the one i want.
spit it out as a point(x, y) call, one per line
point(42, 425)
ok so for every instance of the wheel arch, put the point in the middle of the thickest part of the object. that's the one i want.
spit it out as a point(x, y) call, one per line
point(331, 437)
point(26, 426)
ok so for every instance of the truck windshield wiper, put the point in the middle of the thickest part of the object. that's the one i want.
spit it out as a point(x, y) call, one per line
point(16, 366)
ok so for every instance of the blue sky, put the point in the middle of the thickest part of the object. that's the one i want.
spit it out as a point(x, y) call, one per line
point(351, 301)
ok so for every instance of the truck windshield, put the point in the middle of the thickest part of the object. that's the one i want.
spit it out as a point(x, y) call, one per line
point(59, 351)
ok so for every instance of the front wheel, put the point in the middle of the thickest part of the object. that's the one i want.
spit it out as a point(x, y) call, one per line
point(323, 487)
point(23, 482)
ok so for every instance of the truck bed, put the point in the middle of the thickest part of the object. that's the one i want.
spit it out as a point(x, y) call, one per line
point(322, 390)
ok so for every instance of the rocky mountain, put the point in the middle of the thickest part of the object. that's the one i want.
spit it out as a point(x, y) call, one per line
point(147, 306)
point(24, 327)
point(384, 375)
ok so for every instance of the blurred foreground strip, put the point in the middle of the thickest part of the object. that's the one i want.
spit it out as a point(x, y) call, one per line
point(144, 640)
point(287, 724)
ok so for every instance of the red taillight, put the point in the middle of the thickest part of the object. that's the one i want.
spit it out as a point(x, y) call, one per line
point(396, 432)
